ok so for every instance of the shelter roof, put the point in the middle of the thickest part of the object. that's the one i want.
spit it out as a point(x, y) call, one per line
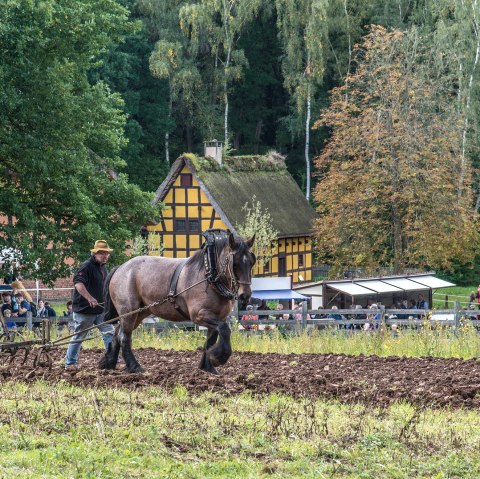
point(231, 185)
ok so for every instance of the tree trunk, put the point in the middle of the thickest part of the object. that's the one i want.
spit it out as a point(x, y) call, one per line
point(307, 143)
point(167, 149)
point(467, 107)
point(258, 134)
point(189, 138)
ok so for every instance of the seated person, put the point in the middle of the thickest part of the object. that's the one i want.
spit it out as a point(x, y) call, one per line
point(335, 316)
point(422, 303)
point(250, 317)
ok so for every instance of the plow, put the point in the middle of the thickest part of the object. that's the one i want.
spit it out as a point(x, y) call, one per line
point(15, 350)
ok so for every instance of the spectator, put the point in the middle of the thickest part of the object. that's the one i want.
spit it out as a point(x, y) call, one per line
point(23, 306)
point(421, 303)
point(7, 316)
point(87, 301)
point(7, 302)
point(472, 298)
point(249, 316)
point(263, 307)
point(44, 310)
point(337, 317)
point(51, 312)
point(374, 316)
point(69, 311)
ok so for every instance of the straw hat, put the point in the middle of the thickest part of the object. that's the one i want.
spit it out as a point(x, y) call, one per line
point(101, 245)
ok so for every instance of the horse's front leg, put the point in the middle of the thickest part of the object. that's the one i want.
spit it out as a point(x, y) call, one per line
point(205, 364)
point(216, 353)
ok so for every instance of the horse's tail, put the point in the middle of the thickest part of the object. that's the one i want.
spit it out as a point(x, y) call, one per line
point(109, 310)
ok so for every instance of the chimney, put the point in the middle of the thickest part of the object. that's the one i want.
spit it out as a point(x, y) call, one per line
point(214, 149)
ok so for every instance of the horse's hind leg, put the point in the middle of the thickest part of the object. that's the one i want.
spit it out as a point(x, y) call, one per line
point(125, 336)
point(110, 358)
point(216, 353)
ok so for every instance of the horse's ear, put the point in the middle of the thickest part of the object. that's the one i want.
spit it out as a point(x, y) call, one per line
point(251, 241)
point(231, 240)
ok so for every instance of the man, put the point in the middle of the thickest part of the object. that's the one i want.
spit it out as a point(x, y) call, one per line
point(422, 303)
point(87, 301)
point(23, 305)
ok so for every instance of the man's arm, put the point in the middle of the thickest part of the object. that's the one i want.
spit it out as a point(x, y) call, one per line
point(80, 287)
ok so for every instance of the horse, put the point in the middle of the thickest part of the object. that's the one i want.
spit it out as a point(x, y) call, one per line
point(201, 288)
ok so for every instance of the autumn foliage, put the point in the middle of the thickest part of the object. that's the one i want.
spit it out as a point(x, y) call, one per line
point(389, 190)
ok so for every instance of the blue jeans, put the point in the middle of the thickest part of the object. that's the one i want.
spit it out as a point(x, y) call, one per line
point(81, 322)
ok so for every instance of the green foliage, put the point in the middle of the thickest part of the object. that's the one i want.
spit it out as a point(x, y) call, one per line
point(258, 222)
point(61, 137)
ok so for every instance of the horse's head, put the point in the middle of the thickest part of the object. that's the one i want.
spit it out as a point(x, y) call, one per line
point(243, 261)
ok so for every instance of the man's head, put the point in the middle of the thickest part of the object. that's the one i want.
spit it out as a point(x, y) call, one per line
point(101, 251)
point(19, 297)
point(7, 297)
point(249, 307)
point(7, 313)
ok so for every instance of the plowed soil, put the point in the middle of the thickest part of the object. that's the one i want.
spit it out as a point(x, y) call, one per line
point(369, 380)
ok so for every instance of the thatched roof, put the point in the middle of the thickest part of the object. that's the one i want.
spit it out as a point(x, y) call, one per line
point(231, 185)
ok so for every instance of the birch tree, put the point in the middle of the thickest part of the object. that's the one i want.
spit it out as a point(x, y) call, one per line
point(214, 28)
point(303, 29)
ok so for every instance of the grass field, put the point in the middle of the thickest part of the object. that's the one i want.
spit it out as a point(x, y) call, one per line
point(69, 432)
point(72, 432)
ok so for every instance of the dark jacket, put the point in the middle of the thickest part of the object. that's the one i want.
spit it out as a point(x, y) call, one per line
point(92, 275)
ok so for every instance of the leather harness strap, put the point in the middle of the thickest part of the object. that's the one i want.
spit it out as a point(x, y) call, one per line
point(173, 288)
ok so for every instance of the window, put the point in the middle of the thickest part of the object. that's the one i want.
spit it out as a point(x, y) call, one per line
point(193, 225)
point(185, 179)
point(266, 267)
point(301, 260)
point(180, 225)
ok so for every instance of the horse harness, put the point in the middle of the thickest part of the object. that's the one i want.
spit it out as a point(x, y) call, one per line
point(212, 274)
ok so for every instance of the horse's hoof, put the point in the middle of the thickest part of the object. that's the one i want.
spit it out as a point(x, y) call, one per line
point(135, 369)
point(210, 370)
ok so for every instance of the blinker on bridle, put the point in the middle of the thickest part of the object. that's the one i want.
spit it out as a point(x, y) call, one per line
point(210, 261)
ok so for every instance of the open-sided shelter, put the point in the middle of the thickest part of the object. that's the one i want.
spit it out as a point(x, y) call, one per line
point(385, 290)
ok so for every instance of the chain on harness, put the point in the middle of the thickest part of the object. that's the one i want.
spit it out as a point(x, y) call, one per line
point(225, 284)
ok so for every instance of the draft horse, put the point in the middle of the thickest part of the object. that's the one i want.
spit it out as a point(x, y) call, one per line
point(201, 288)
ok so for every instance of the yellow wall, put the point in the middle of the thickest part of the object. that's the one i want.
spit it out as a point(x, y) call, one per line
point(190, 204)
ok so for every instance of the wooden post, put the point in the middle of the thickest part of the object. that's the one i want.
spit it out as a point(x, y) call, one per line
point(29, 321)
point(446, 301)
point(304, 315)
point(456, 309)
point(235, 310)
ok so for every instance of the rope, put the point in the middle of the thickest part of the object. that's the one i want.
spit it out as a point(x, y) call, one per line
point(61, 341)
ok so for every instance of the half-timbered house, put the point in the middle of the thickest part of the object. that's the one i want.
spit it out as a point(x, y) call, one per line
point(201, 193)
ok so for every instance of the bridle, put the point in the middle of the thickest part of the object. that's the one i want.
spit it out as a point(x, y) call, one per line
point(223, 279)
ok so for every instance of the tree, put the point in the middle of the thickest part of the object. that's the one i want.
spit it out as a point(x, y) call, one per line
point(125, 69)
point(302, 27)
point(258, 222)
point(216, 26)
point(60, 136)
point(388, 178)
